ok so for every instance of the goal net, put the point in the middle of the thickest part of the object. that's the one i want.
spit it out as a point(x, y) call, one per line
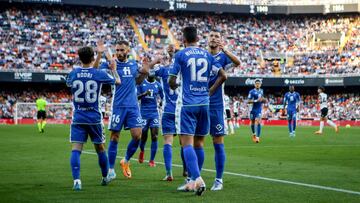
point(55, 112)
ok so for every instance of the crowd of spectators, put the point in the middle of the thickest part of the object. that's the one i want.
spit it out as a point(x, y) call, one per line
point(46, 38)
point(341, 106)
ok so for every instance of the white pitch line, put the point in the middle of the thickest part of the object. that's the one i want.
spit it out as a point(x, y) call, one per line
point(259, 178)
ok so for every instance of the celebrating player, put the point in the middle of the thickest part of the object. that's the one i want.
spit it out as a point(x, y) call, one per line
point(41, 114)
point(256, 99)
point(291, 103)
point(193, 66)
point(85, 83)
point(125, 109)
point(168, 116)
point(217, 126)
point(148, 93)
point(324, 112)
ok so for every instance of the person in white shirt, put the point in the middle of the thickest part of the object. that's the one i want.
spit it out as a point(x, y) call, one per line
point(324, 112)
point(228, 114)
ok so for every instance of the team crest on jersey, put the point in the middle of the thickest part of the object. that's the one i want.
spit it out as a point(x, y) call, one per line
point(219, 127)
point(139, 120)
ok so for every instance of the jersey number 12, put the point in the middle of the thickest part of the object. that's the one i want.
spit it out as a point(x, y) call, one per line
point(198, 75)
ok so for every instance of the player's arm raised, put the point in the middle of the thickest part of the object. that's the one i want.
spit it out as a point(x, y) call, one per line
point(234, 59)
point(100, 50)
point(145, 70)
point(114, 72)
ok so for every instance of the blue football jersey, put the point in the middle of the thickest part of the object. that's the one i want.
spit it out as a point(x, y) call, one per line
point(217, 98)
point(193, 66)
point(169, 103)
point(291, 99)
point(125, 93)
point(85, 86)
point(148, 103)
point(255, 94)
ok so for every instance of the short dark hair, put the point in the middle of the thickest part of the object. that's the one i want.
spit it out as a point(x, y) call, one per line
point(321, 88)
point(123, 42)
point(86, 55)
point(257, 80)
point(190, 34)
point(215, 30)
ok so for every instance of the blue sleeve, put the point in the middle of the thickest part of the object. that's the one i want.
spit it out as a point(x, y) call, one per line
point(161, 92)
point(215, 65)
point(158, 71)
point(104, 65)
point(105, 78)
point(177, 65)
point(69, 79)
point(139, 89)
point(228, 63)
point(136, 70)
point(298, 97)
point(250, 96)
point(285, 99)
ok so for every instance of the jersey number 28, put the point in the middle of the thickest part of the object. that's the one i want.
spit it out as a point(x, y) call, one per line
point(90, 91)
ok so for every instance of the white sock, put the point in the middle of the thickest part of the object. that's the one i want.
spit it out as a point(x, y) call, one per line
point(331, 123)
point(226, 125)
point(219, 180)
point(237, 123)
point(231, 126)
point(321, 126)
point(77, 181)
point(111, 170)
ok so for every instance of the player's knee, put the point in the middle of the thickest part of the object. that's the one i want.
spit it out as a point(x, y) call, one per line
point(218, 139)
point(199, 141)
point(136, 133)
point(99, 148)
point(168, 139)
point(114, 136)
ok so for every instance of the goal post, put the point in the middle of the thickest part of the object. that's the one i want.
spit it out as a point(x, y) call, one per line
point(57, 111)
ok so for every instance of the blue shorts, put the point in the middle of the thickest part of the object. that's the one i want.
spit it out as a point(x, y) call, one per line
point(151, 122)
point(217, 124)
point(255, 114)
point(168, 124)
point(79, 133)
point(128, 117)
point(192, 120)
point(291, 114)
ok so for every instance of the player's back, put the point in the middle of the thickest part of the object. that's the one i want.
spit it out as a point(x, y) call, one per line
point(170, 95)
point(193, 66)
point(86, 86)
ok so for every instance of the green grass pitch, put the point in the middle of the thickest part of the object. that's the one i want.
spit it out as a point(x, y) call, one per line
point(35, 168)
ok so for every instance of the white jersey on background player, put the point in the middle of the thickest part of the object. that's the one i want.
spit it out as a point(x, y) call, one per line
point(236, 106)
point(323, 101)
point(102, 102)
point(229, 123)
